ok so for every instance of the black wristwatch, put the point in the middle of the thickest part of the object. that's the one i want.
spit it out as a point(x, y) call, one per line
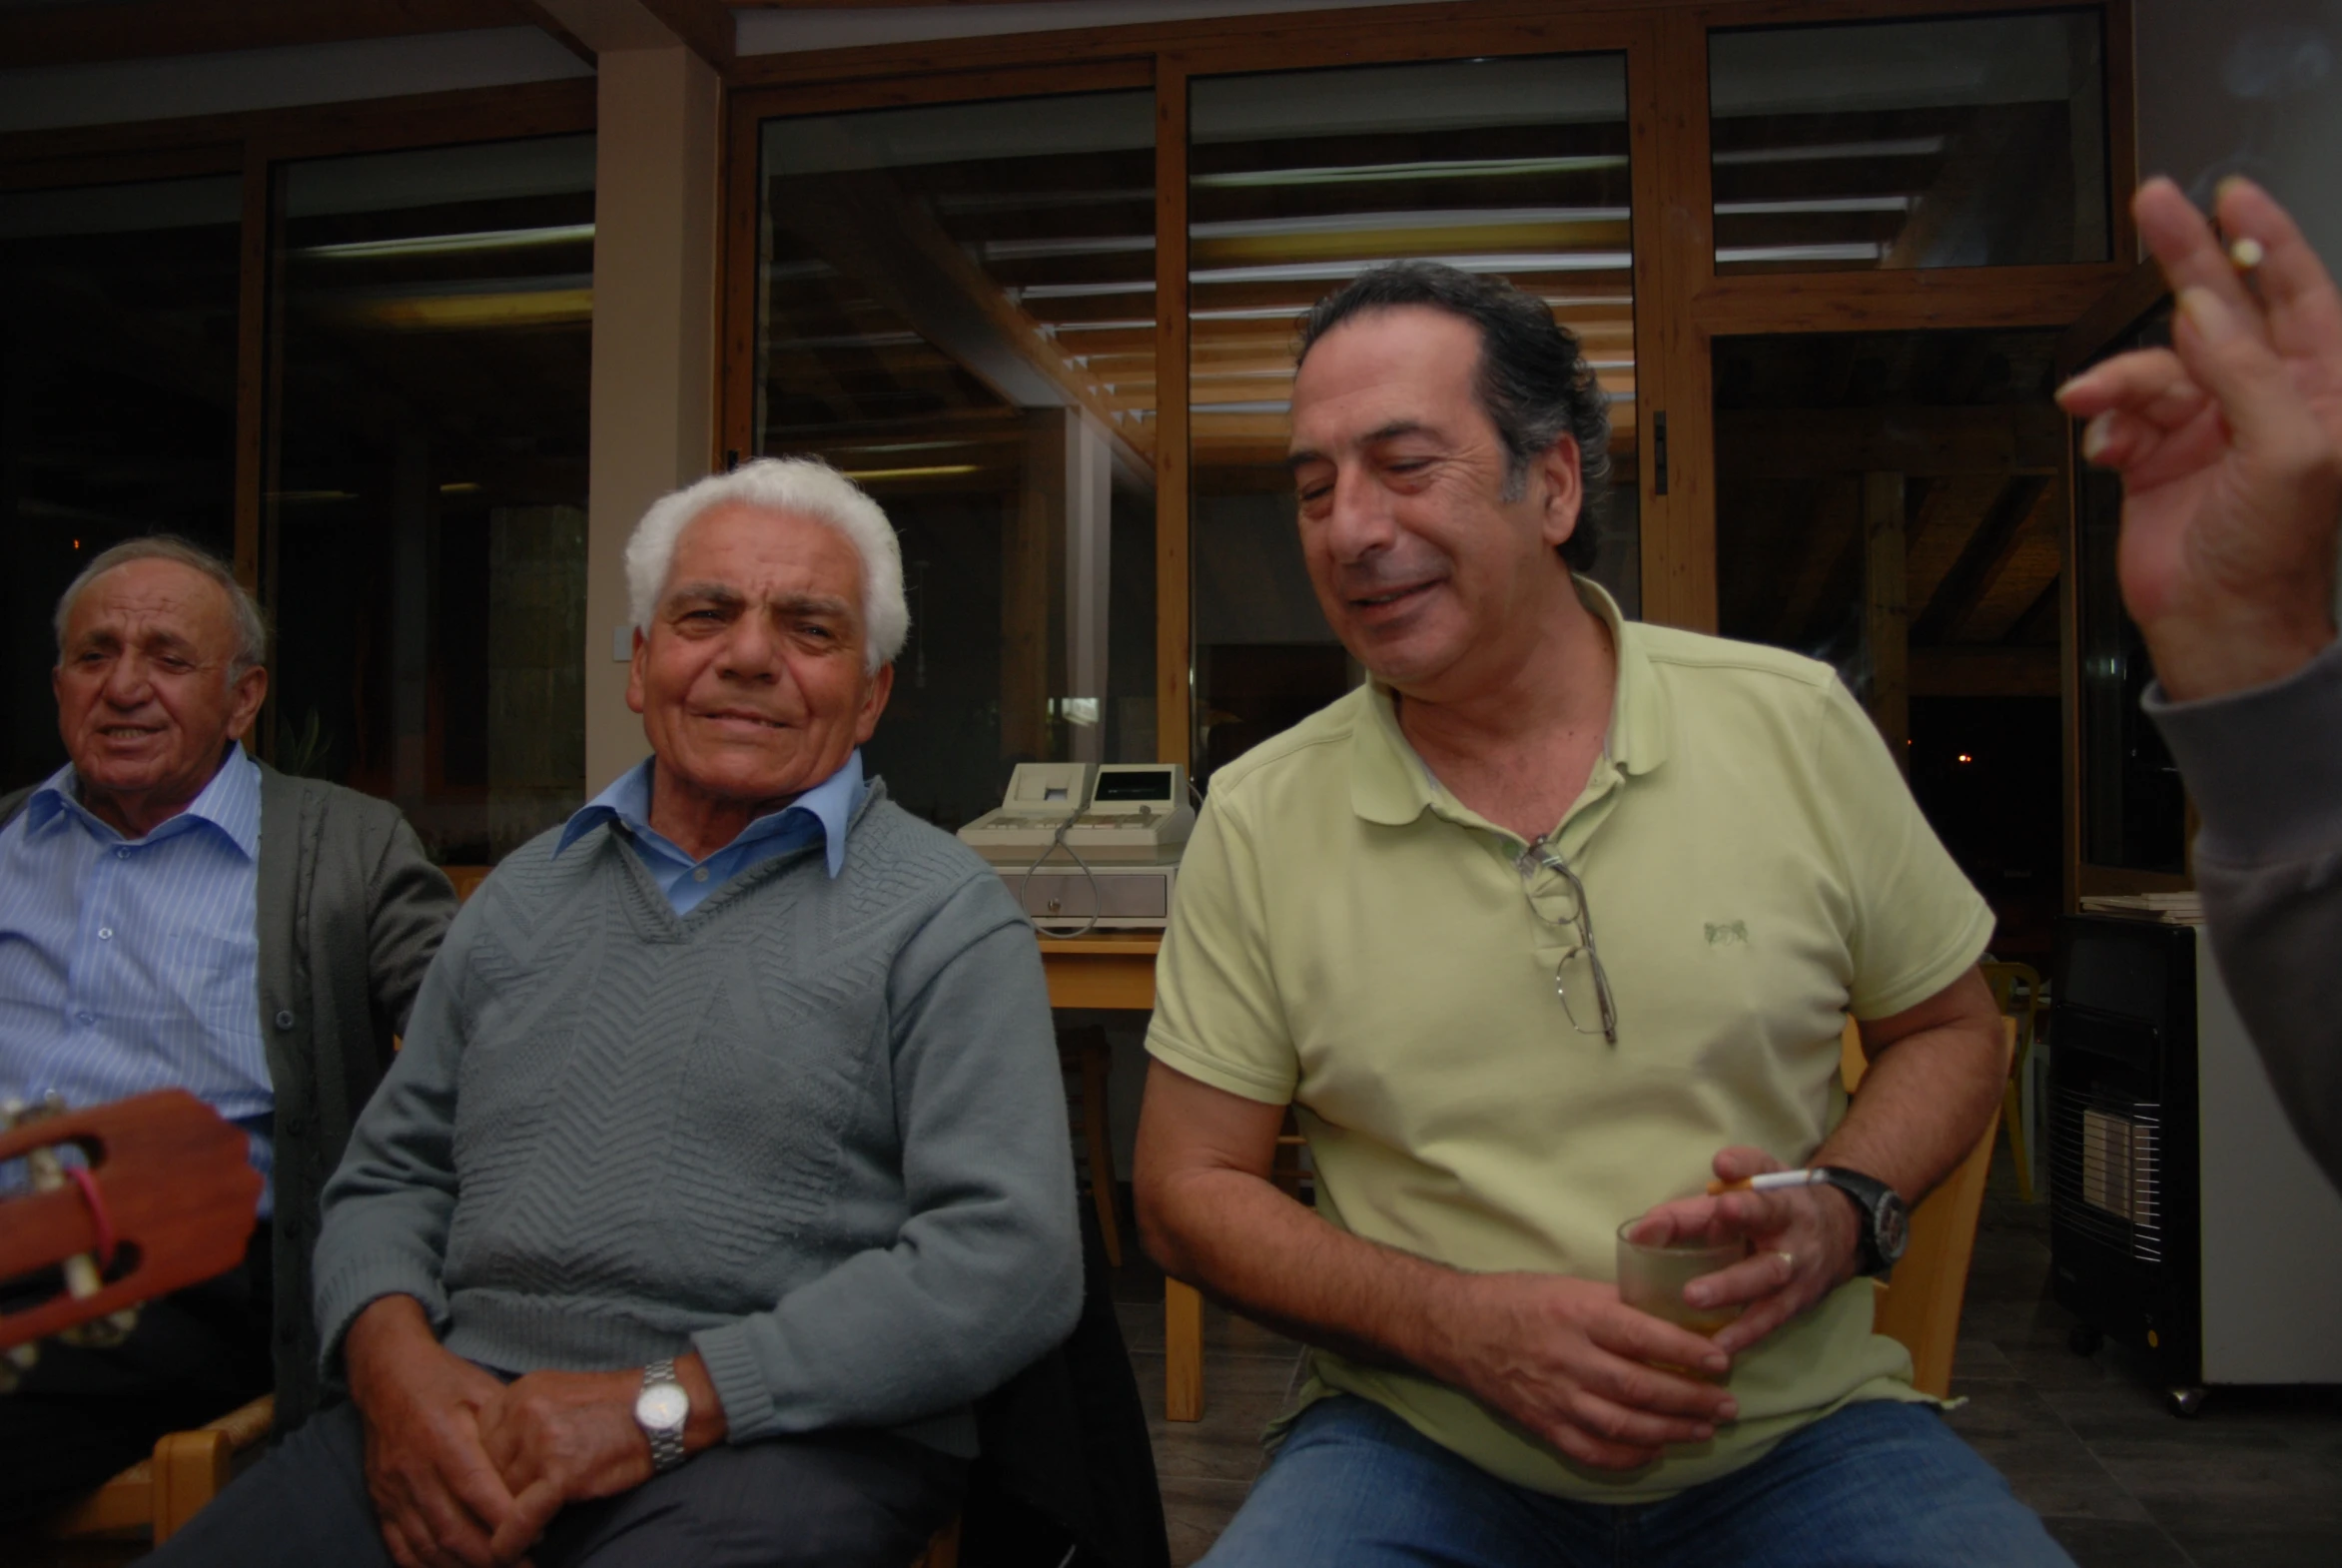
point(1879, 1212)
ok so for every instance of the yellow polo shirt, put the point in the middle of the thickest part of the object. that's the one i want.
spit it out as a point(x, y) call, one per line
point(1350, 938)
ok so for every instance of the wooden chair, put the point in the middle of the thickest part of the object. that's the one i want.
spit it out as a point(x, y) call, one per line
point(944, 1550)
point(160, 1494)
point(1920, 1307)
point(466, 879)
point(2005, 981)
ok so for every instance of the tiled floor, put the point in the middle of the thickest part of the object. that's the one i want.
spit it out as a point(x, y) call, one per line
point(2255, 1479)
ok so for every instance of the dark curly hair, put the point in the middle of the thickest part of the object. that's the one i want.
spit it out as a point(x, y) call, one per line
point(1533, 380)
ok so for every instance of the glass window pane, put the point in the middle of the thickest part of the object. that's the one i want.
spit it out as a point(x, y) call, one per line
point(425, 499)
point(955, 307)
point(1960, 142)
point(2133, 804)
point(1894, 504)
point(117, 405)
point(1298, 182)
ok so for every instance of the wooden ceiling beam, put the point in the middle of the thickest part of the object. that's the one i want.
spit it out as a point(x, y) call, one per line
point(890, 244)
point(150, 29)
point(705, 27)
point(1922, 441)
point(1988, 552)
point(1984, 672)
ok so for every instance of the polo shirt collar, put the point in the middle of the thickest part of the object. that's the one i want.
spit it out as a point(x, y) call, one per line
point(1391, 785)
point(628, 802)
point(230, 804)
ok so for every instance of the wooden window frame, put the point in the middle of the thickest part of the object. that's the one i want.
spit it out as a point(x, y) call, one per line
point(1680, 303)
point(253, 145)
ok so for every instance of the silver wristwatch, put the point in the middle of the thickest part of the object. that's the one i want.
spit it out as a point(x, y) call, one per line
point(660, 1410)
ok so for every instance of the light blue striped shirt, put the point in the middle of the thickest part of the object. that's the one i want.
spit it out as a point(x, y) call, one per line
point(130, 965)
point(823, 812)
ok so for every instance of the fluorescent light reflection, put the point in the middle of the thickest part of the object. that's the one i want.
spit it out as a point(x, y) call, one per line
point(1826, 204)
point(454, 244)
point(1346, 223)
point(1907, 147)
point(1863, 251)
point(936, 471)
point(1327, 272)
point(1450, 169)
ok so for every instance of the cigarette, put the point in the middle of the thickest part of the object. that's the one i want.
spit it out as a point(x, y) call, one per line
point(2246, 253)
point(1770, 1182)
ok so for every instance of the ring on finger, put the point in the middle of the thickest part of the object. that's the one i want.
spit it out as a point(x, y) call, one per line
point(1788, 1258)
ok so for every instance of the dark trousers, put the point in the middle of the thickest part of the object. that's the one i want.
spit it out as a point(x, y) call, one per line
point(80, 1415)
point(832, 1499)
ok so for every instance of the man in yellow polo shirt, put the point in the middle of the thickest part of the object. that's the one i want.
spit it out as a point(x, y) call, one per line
point(1552, 922)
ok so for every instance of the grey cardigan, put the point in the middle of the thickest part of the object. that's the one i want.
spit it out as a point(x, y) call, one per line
point(2265, 767)
point(349, 914)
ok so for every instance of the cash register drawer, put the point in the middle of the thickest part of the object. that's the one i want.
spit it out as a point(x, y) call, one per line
point(1058, 895)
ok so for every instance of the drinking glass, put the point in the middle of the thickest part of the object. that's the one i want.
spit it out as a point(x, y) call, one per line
point(1651, 1277)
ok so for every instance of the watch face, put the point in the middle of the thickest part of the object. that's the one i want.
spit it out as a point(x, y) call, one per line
point(662, 1406)
point(1894, 1228)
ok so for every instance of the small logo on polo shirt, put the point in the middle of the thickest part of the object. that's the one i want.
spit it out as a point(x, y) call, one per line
point(1728, 933)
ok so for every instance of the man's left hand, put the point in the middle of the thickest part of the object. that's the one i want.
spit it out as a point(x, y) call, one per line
point(561, 1437)
point(1803, 1242)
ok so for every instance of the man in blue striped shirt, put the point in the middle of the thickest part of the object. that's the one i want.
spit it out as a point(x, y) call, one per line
point(132, 930)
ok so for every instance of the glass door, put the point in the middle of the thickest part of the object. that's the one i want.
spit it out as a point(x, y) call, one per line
point(1298, 182)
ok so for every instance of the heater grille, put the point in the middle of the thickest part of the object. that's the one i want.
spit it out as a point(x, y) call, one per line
point(2106, 1173)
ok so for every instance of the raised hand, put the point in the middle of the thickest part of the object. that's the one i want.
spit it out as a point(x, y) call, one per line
point(436, 1495)
point(2229, 444)
point(1801, 1244)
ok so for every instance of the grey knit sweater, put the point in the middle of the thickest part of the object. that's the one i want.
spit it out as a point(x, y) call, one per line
point(2265, 767)
point(813, 1130)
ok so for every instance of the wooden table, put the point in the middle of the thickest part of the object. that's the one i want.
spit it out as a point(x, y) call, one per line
point(1116, 970)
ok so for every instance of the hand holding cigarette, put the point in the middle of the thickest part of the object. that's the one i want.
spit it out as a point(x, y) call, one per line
point(2229, 444)
point(1766, 1181)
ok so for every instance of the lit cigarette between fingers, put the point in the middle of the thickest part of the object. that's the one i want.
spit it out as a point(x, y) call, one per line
point(1770, 1182)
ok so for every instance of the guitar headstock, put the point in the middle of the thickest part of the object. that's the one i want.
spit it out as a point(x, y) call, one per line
point(178, 1190)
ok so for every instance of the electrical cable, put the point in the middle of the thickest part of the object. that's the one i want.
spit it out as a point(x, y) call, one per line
point(1096, 895)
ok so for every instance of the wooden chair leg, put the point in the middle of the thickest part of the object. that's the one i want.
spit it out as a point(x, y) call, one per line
point(2013, 1118)
point(1183, 1352)
point(943, 1550)
point(1097, 1062)
point(191, 1468)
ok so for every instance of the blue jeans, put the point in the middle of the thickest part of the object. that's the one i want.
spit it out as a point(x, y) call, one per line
point(1877, 1485)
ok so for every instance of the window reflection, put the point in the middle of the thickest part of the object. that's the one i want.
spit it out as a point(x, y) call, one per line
point(426, 482)
point(117, 405)
point(955, 307)
point(2133, 803)
point(1894, 503)
point(1958, 142)
point(1301, 181)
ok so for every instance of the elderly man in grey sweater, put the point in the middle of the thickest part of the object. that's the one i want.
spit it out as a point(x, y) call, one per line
point(725, 1164)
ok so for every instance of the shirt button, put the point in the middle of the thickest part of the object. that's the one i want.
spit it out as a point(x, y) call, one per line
point(105, 933)
point(120, 854)
point(700, 875)
point(86, 1018)
point(285, 1020)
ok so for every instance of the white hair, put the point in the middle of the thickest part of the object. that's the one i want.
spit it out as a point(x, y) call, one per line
point(804, 485)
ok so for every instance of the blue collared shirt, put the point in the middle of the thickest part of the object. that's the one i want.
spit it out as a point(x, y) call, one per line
point(822, 812)
point(130, 965)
